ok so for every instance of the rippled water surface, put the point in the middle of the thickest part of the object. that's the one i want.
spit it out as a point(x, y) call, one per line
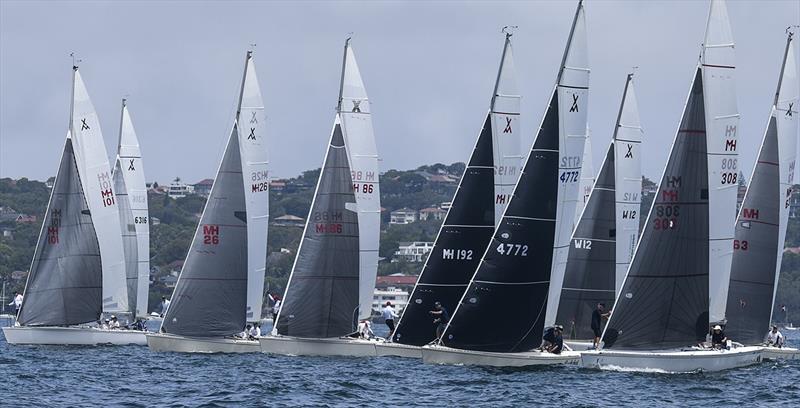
point(133, 376)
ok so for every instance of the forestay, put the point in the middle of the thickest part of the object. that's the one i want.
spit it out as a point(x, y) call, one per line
point(356, 124)
point(470, 221)
point(64, 286)
point(92, 160)
point(322, 293)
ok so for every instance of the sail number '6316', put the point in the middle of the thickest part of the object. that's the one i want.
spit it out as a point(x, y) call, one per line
point(513, 249)
point(458, 254)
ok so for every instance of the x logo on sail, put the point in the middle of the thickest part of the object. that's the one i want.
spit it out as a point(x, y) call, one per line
point(508, 126)
point(130, 166)
point(252, 135)
point(356, 108)
point(84, 126)
point(629, 155)
point(789, 111)
point(574, 107)
point(253, 118)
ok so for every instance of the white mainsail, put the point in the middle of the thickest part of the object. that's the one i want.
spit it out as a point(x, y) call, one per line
point(786, 112)
point(628, 182)
point(129, 163)
point(722, 120)
point(587, 177)
point(354, 112)
point(573, 95)
point(255, 171)
point(506, 140)
point(92, 159)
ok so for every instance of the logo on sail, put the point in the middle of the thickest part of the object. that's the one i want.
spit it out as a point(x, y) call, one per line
point(130, 166)
point(356, 108)
point(508, 126)
point(789, 111)
point(252, 135)
point(574, 107)
point(253, 118)
point(84, 126)
point(629, 155)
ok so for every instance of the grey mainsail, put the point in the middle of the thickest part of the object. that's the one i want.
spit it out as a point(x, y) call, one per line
point(65, 282)
point(129, 239)
point(591, 268)
point(211, 293)
point(664, 300)
point(754, 248)
point(322, 295)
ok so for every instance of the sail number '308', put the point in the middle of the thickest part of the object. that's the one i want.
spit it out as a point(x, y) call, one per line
point(513, 249)
point(666, 217)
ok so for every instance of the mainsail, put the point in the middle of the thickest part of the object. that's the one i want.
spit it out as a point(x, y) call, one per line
point(573, 94)
point(587, 178)
point(64, 285)
point(482, 193)
point(592, 265)
point(761, 225)
point(356, 124)
point(130, 186)
point(322, 293)
point(92, 159)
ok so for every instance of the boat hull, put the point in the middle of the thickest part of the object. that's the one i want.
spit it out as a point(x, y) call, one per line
point(671, 361)
point(398, 350)
point(161, 342)
point(298, 346)
point(84, 336)
point(579, 345)
point(785, 353)
point(447, 355)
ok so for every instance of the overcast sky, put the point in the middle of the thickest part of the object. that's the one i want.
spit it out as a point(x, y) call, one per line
point(429, 69)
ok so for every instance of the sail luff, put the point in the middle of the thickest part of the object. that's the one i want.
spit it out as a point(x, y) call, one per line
point(587, 178)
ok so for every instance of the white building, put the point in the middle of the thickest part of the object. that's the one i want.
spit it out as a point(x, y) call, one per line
point(412, 251)
point(432, 213)
point(403, 216)
point(398, 297)
point(178, 189)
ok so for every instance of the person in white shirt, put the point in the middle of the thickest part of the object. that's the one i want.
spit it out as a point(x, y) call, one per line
point(389, 314)
point(16, 302)
point(255, 332)
point(276, 306)
point(114, 323)
point(365, 329)
point(104, 324)
point(245, 334)
point(774, 338)
point(164, 305)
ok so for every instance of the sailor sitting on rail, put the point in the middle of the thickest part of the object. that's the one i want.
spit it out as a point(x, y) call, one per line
point(718, 338)
point(774, 338)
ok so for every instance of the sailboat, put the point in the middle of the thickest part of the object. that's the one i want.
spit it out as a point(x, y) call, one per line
point(129, 185)
point(671, 293)
point(762, 220)
point(479, 202)
point(605, 237)
point(333, 276)
point(221, 285)
point(515, 269)
point(78, 267)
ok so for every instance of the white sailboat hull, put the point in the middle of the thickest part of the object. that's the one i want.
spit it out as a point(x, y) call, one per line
point(161, 342)
point(386, 349)
point(785, 353)
point(447, 355)
point(298, 346)
point(672, 361)
point(87, 336)
point(579, 345)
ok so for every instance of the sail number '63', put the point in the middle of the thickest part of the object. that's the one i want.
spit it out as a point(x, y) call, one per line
point(513, 249)
point(458, 254)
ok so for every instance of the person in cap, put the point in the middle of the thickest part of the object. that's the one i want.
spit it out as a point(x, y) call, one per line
point(718, 338)
point(113, 323)
point(365, 329)
point(597, 323)
point(389, 314)
point(440, 318)
point(556, 346)
point(774, 338)
point(105, 324)
point(255, 332)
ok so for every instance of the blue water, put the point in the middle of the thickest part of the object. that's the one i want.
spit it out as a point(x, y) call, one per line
point(133, 376)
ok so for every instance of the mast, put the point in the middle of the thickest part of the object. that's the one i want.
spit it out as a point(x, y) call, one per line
point(244, 77)
point(341, 80)
point(569, 42)
point(121, 119)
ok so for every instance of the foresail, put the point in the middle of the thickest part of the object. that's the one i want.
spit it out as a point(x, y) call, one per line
point(211, 293)
point(322, 293)
point(255, 170)
point(65, 281)
point(664, 299)
point(95, 175)
point(129, 159)
point(722, 120)
point(506, 133)
point(356, 125)
point(129, 244)
point(573, 95)
point(587, 178)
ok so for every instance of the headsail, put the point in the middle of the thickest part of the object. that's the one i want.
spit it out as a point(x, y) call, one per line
point(761, 225)
point(322, 293)
point(471, 219)
point(587, 178)
point(129, 245)
point(573, 94)
point(95, 172)
point(130, 169)
point(255, 170)
point(65, 281)
point(722, 120)
point(356, 125)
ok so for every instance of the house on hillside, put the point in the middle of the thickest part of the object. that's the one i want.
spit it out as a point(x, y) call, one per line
point(277, 185)
point(289, 220)
point(179, 189)
point(412, 251)
point(25, 219)
point(203, 187)
point(404, 215)
point(432, 213)
point(397, 280)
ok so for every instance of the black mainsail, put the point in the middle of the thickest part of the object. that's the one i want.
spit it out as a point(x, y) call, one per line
point(322, 295)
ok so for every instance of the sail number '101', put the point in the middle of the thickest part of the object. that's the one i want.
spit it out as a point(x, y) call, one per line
point(513, 249)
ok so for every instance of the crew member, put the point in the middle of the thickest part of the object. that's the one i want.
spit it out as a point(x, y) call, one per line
point(388, 317)
point(774, 338)
point(440, 318)
point(597, 323)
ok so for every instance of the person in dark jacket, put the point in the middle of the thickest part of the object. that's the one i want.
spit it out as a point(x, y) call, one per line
point(440, 318)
